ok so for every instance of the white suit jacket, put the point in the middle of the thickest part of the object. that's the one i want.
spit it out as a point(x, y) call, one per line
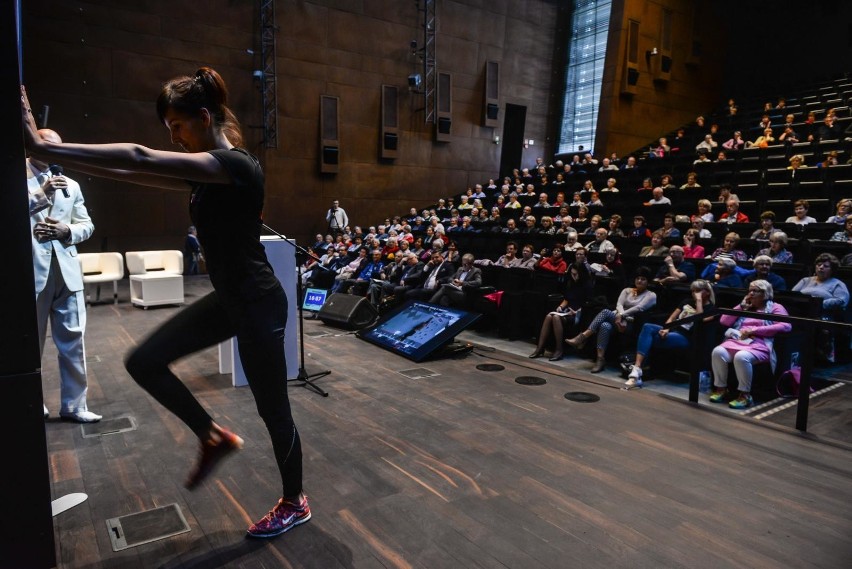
point(71, 211)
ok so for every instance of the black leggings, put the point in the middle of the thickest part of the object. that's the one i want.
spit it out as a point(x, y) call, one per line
point(259, 327)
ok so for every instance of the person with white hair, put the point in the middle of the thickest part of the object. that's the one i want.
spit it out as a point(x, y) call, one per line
point(748, 340)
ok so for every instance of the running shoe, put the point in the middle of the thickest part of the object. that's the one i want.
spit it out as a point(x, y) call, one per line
point(212, 453)
point(283, 517)
point(743, 401)
point(718, 396)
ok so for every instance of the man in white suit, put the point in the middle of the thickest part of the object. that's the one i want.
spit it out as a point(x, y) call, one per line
point(59, 279)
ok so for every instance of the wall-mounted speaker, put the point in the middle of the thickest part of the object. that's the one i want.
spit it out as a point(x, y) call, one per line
point(389, 136)
point(329, 134)
point(444, 107)
point(492, 94)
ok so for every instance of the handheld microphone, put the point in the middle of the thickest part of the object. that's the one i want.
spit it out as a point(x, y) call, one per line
point(56, 170)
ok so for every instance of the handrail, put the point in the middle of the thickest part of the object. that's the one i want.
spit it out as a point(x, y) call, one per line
point(810, 325)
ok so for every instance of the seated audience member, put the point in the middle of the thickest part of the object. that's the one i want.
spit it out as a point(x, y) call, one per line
point(733, 213)
point(706, 145)
point(437, 245)
point(607, 165)
point(577, 201)
point(542, 200)
point(594, 199)
point(640, 230)
point(553, 263)
point(661, 150)
point(668, 228)
point(435, 270)
point(767, 218)
point(529, 225)
point(582, 214)
point(729, 249)
point(388, 280)
point(702, 301)
point(801, 217)
point(504, 260)
point(527, 259)
point(610, 186)
point(702, 159)
point(571, 240)
point(580, 257)
point(834, 294)
point(530, 190)
point(828, 130)
point(726, 193)
point(763, 271)
point(390, 248)
point(319, 245)
point(777, 249)
point(748, 341)
point(631, 301)
point(452, 254)
point(691, 182)
point(704, 207)
point(611, 268)
point(578, 288)
point(563, 215)
point(725, 275)
point(615, 226)
point(513, 201)
point(690, 249)
point(478, 192)
point(667, 183)
point(511, 226)
point(829, 160)
point(560, 201)
point(354, 267)
point(647, 186)
point(630, 164)
point(675, 269)
point(736, 142)
point(547, 227)
point(721, 157)
point(764, 140)
point(846, 234)
point(601, 244)
point(698, 225)
point(657, 198)
point(417, 246)
point(594, 224)
point(841, 215)
point(371, 270)
point(789, 136)
point(454, 289)
point(656, 248)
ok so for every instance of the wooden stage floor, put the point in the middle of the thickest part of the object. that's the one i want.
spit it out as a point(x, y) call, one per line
point(463, 469)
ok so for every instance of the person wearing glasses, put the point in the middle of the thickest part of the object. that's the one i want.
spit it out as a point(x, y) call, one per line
point(748, 340)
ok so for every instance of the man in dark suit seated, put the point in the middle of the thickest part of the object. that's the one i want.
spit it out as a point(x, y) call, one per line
point(454, 291)
point(435, 270)
point(405, 276)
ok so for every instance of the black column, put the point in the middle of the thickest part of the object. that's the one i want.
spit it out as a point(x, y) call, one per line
point(26, 523)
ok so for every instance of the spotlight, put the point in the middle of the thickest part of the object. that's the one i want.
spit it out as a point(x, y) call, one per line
point(414, 81)
point(258, 74)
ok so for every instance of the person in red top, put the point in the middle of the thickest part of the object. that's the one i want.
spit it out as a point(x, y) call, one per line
point(553, 264)
point(733, 215)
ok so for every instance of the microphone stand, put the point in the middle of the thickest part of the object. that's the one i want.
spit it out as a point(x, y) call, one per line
point(304, 379)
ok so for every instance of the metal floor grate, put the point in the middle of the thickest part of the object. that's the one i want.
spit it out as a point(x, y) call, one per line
point(418, 373)
point(145, 527)
point(109, 427)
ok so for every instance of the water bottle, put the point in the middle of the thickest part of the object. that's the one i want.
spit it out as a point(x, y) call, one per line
point(704, 382)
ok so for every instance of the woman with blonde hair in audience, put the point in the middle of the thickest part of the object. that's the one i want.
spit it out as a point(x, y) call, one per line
point(631, 302)
point(841, 214)
point(513, 201)
point(797, 161)
point(578, 288)
point(704, 207)
point(748, 341)
point(729, 249)
point(764, 140)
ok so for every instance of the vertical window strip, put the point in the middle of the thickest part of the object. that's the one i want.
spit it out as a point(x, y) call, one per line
point(584, 75)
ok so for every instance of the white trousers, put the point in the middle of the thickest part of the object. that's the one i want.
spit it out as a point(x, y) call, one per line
point(66, 311)
point(743, 366)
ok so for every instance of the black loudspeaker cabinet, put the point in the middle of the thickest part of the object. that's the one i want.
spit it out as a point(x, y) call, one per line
point(348, 311)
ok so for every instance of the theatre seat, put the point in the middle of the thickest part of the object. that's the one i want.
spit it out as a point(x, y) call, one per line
point(156, 277)
point(100, 268)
